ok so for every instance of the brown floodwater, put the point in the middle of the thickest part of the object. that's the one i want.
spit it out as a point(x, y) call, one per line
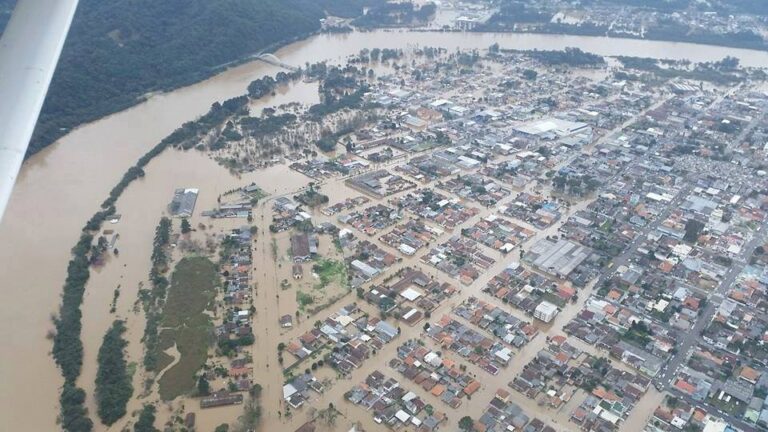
point(60, 187)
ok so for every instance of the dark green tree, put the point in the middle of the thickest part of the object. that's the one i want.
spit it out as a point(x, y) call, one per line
point(113, 384)
point(74, 417)
point(185, 226)
point(466, 424)
point(146, 421)
point(203, 387)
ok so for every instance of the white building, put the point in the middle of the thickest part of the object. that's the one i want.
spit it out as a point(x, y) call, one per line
point(545, 311)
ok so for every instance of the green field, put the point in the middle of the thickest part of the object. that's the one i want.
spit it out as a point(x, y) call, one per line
point(167, 340)
point(193, 288)
point(329, 271)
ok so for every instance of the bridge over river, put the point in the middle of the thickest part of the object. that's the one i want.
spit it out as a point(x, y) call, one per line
point(265, 57)
point(274, 60)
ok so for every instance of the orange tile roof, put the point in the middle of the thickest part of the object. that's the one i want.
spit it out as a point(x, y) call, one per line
point(567, 290)
point(557, 340)
point(472, 387)
point(749, 374)
point(685, 387)
point(502, 394)
point(699, 415)
point(692, 303)
point(737, 295)
point(444, 321)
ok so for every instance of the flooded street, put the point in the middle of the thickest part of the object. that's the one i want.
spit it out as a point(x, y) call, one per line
point(143, 204)
point(62, 186)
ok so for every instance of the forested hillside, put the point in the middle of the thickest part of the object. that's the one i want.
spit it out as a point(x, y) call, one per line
point(119, 50)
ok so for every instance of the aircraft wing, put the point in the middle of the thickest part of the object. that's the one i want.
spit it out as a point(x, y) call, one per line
point(29, 51)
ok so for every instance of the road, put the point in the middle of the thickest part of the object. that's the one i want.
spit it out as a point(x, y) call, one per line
point(523, 356)
point(690, 338)
point(529, 351)
point(693, 336)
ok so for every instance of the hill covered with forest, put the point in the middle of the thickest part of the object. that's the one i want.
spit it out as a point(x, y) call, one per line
point(119, 50)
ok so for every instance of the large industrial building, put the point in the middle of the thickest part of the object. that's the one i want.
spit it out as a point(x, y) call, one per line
point(558, 257)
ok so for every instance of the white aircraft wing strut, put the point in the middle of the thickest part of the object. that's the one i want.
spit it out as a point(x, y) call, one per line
point(29, 51)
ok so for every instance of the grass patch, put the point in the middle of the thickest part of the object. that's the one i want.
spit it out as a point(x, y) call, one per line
point(304, 299)
point(132, 368)
point(193, 287)
point(607, 226)
point(337, 244)
point(167, 340)
point(328, 302)
point(329, 271)
point(180, 378)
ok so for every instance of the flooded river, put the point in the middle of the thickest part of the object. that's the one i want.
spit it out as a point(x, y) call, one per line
point(60, 187)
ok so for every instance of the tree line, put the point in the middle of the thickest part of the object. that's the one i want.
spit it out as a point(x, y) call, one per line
point(67, 344)
point(113, 383)
point(118, 51)
point(154, 297)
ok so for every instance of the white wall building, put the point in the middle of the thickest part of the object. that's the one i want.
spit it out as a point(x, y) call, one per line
point(545, 311)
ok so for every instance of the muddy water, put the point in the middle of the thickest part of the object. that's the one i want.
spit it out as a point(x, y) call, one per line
point(141, 207)
point(263, 358)
point(60, 187)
